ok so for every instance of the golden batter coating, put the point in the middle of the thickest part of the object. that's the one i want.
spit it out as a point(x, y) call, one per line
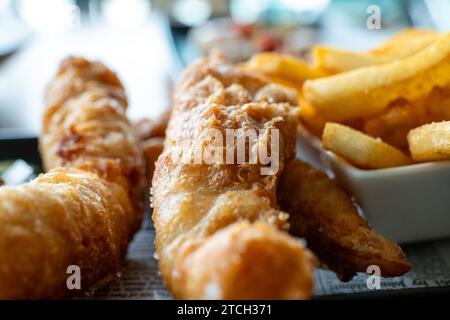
point(85, 126)
point(64, 217)
point(249, 261)
point(324, 214)
point(85, 212)
point(204, 251)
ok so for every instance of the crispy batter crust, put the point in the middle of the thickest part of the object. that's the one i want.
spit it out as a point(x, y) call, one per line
point(324, 214)
point(64, 217)
point(85, 126)
point(192, 202)
point(85, 212)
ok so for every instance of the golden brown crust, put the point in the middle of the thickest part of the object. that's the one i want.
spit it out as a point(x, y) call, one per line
point(253, 260)
point(85, 126)
point(325, 215)
point(193, 201)
point(85, 212)
point(64, 217)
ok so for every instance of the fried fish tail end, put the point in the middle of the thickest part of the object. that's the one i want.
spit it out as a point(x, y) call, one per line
point(325, 215)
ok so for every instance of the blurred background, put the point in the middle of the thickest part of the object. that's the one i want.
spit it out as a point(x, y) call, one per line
point(148, 42)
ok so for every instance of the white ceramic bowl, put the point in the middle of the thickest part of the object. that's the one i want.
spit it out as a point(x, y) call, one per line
point(405, 204)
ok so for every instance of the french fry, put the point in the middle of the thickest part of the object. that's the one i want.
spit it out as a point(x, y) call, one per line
point(402, 45)
point(284, 69)
point(360, 149)
point(430, 142)
point(336, 61)
point(437, 105)
point(313, 121)
point(406, 43)
point(366, 91)
point(393, 124)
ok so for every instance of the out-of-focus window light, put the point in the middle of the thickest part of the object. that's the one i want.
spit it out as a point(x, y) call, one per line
point(191, 12)
point(49, 15)
point(439, 12)
point(248, 11)
point(306, 5)
point(126, 13)
point(308, 10)
point(4, 4)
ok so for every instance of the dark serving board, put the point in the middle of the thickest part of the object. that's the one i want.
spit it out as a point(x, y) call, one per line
point(19, 147)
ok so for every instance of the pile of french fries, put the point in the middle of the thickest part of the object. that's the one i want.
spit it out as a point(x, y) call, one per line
point(382, 108)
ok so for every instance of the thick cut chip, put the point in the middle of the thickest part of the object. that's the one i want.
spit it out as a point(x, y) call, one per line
point(402, 45)
point(366, 91)
point(393, 124)
point(360, 149)
point(336, 60)
point(430, 142)
point(313, 121)
point(407, 43)
point(282, 68)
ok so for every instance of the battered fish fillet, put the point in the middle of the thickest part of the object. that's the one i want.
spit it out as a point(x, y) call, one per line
point(85, 126)
point(64, 217)
point(218, 225)
point(85, 212)
point(324, 214)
